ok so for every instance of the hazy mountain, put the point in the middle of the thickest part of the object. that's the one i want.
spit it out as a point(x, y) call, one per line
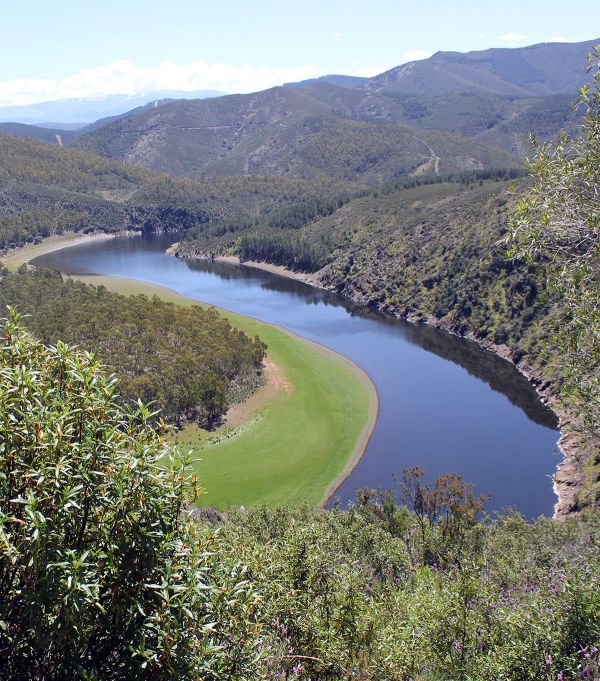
point(351, 82)
point(543, 69)
point(34, 132)
point(89, 109)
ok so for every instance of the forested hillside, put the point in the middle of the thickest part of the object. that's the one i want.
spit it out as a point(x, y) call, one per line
point(428, 250)
point(46, 189)
point(188, 362)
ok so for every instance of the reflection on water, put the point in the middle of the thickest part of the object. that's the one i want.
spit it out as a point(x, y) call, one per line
point(499, 374)
point(445, 404)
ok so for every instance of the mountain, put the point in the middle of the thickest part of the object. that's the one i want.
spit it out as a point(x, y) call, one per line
point(543, 69)
point(503, 121)
point(449, 113)
point(88, 109)
point(306, 132)
point(35, 132)
point(351, 82)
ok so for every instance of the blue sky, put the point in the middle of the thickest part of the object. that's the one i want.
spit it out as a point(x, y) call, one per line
point(65, 48)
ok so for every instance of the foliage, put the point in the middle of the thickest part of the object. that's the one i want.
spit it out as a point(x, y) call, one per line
point(102, 574)
point(557, 224)
point(46, 189)
point(190, 363)
point(363, 594)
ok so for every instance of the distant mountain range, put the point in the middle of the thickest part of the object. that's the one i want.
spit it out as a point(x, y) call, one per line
point(449, 113)
point(543, 69)
point(351, 82)
point(78, 112)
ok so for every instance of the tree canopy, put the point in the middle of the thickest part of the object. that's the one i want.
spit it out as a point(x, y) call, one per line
point(189, 362)
point(557, 225)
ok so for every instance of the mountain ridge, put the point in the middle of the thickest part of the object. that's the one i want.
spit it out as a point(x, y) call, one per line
point(544, 68)
point(312, 127)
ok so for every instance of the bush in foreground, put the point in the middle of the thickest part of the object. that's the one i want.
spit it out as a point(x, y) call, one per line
point(102, 576)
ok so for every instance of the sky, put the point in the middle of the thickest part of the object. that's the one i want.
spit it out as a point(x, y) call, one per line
point(66, 48)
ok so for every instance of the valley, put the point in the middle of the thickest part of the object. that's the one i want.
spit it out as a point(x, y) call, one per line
point(393, 196)
point(416, 371)
point(392, 192)
point(300, 342)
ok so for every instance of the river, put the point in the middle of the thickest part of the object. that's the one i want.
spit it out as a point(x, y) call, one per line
point(445, 404)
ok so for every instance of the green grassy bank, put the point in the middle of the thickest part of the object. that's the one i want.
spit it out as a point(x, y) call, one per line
point(293, 442)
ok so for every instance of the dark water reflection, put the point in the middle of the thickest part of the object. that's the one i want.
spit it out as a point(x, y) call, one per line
point(445, 404)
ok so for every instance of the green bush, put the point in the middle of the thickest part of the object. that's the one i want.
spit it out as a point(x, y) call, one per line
point(102, 574)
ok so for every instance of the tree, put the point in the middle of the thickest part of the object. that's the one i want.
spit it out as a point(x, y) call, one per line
point(102, 573)
point(557, 225)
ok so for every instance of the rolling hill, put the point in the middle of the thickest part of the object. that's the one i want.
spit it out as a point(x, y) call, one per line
point(46, 189)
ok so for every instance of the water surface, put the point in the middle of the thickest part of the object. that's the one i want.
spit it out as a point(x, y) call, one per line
point(445, 404)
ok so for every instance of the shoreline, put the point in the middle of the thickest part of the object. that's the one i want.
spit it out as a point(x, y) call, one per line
point(368, 429)
point(568, 478)
point(273, 269)
point(22, 255)
point(26, 253)
point(281, 270)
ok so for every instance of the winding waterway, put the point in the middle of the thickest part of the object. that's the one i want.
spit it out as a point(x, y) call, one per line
point(445, 404)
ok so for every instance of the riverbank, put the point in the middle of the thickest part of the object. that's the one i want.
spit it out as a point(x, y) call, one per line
point(570, 482)
point(296, 447)
point(282, 271)
point(267, 267)
point(13, 259)
point(298, 438)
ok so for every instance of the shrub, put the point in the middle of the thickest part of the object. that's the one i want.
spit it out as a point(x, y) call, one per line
point(102, 574)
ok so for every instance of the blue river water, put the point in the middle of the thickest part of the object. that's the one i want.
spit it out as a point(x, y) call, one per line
point(445, 404)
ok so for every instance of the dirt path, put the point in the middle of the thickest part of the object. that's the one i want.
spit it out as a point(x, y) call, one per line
point(276, 384)
point(434, 160)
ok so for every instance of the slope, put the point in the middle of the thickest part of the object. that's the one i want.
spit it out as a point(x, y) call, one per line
point(46, 189)
point(543, 69)
point(281, 132)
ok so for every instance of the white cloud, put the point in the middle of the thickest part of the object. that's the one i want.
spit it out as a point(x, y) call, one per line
point(557, 39)
point(123, 77)
point(513, 37)
point(414, 55)
point(338, 34)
